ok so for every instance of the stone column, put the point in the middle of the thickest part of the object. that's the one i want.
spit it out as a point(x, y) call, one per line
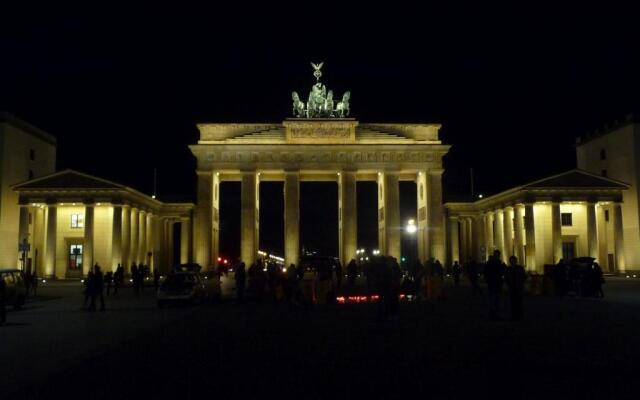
point(291, 217)
point(507, 220)
point(169, 238)
point(478, 241)
point(215, 220)
point(499, 232)
point(23, 226)
point(134, 235)
point(422, 234)
point(88, 239)
point(435, 216)
point(618, 238)
point(601, 223)
point(126, 237)
point(158, 248)
point(592, 231)
point(490, 244)
point(517, 234)
point(530, 237)
point(50, 246)
point(464, 254)
point(202, 234)
point(389, 214)
point(185, 228)
point(248, 216)
point(149, 241)
point(142, 237)
point(348, 216)
point(454, 239)
point(470, 237)
point(116, 238)
point(556, 232)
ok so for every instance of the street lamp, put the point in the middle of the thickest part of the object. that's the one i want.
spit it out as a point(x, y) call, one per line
point(411, 227)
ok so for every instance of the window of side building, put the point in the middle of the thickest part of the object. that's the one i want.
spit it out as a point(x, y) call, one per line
point(567, 219)
point(77, 221)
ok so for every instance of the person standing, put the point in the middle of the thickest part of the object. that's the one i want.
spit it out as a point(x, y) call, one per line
point(338, 275)
point(134, 278)
point(598, 280)
point(472, 274)
point(493, 275)
point(97, 288)
point(108, 279)
point(117, 278)
point(3, 299)
point(352, 273)
point(240, 282)
point(515, 276)
point(456, 274)
point(88, 286)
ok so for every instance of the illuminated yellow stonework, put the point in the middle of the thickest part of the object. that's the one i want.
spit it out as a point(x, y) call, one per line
point(334, 150)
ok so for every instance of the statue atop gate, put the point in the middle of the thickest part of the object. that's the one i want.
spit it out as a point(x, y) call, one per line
point(320, 103)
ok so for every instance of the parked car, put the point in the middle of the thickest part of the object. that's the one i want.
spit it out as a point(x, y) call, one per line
point(16, 287)
point(181, 287)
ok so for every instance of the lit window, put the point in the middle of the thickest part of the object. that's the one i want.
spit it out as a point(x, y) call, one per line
point(77, 221)
point(567, 219)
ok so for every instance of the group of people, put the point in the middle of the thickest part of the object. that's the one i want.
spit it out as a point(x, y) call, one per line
point(94, 288)
point(278, 283)
point(96, 281)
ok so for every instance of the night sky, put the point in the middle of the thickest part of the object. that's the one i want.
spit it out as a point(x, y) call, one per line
point(122, 88)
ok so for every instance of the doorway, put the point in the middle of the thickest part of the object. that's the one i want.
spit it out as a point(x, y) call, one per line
point(75, 259)
point(568, 251)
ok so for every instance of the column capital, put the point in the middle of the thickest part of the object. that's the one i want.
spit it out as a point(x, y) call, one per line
point(454, 217)
point(435, 171)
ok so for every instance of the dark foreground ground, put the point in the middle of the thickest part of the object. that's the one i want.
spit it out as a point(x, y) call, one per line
point(564, 348)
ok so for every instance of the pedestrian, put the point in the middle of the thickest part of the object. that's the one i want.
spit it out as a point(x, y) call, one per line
point(598, 280)
point(352, 273)
point(108, 280)
point(338, 275)
point(88, 286)
point(156, 278)
point(97, 288)
point(117, 278)
point(294, 287)
point(134, 278)
point(241, 278)
point(493, 275)
point(34, 283)
point(472, 275)
point(515, 276)
point(456, 273)
point(141, 275)
point(3, 299)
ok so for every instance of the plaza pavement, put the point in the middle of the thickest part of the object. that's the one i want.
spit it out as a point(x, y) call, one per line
point(564, 348)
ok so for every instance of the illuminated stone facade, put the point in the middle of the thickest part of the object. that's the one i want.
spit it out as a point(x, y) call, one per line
point(73, 220)
point(569, 215)
point(26, 152)
point(334, 150)
point(616, 153)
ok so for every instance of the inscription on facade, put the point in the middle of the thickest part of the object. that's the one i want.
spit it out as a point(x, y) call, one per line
point(320, 156)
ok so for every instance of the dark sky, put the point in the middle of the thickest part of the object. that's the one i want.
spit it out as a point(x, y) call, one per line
point(122, 88)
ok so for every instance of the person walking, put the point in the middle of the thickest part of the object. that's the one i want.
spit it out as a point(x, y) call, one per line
point(352, 273)
point(108, 279)
point(515, 276)
point(472, 275)
point(3, 299)
point(88, 286)
point(97, 288)
point(241, 278)
point(117, 278)
point(456, 273)
point(338, 275)
point(493, 275)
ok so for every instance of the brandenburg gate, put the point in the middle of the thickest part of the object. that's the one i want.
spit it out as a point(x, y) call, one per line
point(320, 144)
